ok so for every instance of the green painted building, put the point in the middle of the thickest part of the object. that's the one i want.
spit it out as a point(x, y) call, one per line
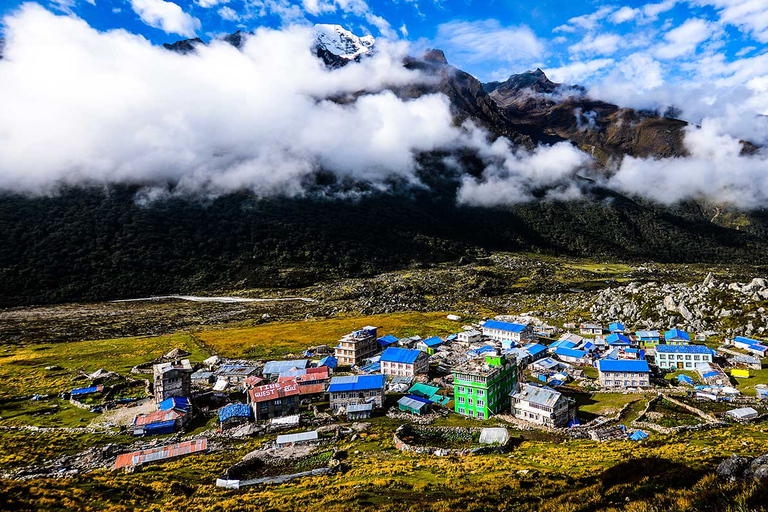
point(481, 388)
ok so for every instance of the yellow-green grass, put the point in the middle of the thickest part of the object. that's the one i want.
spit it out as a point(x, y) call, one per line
point(45, 413)
point(23, 373)
point(600, 268)
point(747, 386)
point(605, 403)
point(277, 339)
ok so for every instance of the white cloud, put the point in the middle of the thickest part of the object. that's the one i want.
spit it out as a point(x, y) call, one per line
point(685, 39)
point(253, 119)
point(715, 169)
point(228, 14)
point(488, 40)
point(211, 3)
point(751, 16)
point(166, 16)
point(403, 30)
point(600, 44)
point(587, 21)
point(576, 72)
point(624, 14)
point(652, 11)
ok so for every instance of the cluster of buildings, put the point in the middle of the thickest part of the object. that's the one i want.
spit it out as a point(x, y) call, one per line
point(484, 364)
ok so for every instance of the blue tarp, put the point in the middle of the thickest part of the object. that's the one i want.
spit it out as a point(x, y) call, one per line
point(556, 382)
point(638, 436)
point(234, 411)
point(685, 379)
point(371, 368)
point(574, 423)
point(328, 361)
point(86, 391)
point(162, 427)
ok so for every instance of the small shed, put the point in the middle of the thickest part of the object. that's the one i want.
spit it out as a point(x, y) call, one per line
point(234, 414)
point(414, 405)
point(740, 373)
point(743, 414)
point(495, 435)
point(300, 438)
point(359, 411)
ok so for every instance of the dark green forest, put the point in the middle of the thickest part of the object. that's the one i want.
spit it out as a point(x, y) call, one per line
point(86, 244)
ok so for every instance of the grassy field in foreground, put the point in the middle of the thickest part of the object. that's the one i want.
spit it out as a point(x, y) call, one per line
point(22, 368)
point(283, 338)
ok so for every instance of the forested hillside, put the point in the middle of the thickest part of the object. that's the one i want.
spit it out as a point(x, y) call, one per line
point(92, 244)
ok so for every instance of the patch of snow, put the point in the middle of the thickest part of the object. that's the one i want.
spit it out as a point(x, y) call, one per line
point(342, 42)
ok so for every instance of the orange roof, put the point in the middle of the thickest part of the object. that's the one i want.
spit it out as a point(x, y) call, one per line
point(157, 417)
point(161, 453)
point(253, 380)
point(274, 391)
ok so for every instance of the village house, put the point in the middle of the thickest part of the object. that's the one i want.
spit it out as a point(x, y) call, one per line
point(676, 337)
point(235, 374)
point(509, 332)
point(359, 411)
point(414, 405)
point(357, 346)
point(481, 389)
point(648, 337)
point(754, 346)
point(404, 362)
point(618, 340)
point(469, 336)
point(312, 381)
point(172, 379)
point(429, 345)
point(590, 329)
point(570, 355)
point(616, 327)
point(274, 400)
point(623, 373)
point(356, 389)
point(543, 406)
point(678, 357)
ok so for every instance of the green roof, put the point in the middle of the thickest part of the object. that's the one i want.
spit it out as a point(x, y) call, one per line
point(424, 390)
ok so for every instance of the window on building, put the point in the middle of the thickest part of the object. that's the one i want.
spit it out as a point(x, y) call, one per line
point(461, 400)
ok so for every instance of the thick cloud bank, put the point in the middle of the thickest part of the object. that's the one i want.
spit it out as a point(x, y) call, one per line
point(81, 106)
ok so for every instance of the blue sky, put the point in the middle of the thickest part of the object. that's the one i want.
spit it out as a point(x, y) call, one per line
point(576, 40)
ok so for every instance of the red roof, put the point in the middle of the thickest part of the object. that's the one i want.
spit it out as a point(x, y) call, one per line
point(161, 453)
point(253, 380)
point(274, 391)
point(312, 389)
point(157, 417)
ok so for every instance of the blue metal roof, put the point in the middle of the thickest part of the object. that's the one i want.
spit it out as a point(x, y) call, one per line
point(683, 349)
point(400, 355)
point(617, 339)
point(676, 334)
point(562, 343)
point(234, 411)
point(329, 361)
point(371, 368)
point(356, 383)
point(387, 340)
point(623, 365)
point(616, 327)
point(175, 402)
point(569, 352)
point(161, 427)
point(504, 326)
point(534, 348)
point(434, 341)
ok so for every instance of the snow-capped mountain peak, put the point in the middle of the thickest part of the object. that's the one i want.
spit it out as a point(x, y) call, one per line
point(341, 42)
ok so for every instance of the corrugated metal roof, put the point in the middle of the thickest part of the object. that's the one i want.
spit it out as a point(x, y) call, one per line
point(400, 355)
point(623, 365)
point(538, 395)
point(504, 326)
point(359, 408)
point(273, 391)
point(387, 340)
point(676, 334)
point(534, 348)
point(157, 417)
point(434, 341)
point(616, 326)
point(276, 367)
point(161, 453)
point(743, 413)
point(617, 339)
point(569, 352)
point(648, 334)
point(562, 343)
point(413, 402)
point(311, 389)
point(356, 383)
point(301, 437)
